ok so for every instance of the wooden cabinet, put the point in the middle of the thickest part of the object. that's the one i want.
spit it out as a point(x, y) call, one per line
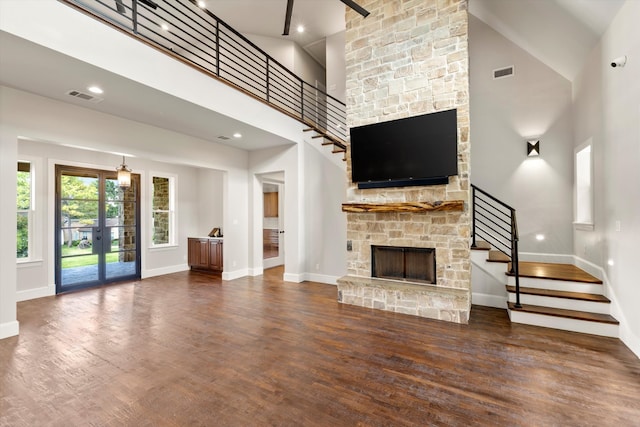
point(215, 255)
point(270, 205)
point(205, 254)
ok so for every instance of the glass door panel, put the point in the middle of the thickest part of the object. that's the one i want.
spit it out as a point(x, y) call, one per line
point(97, 228)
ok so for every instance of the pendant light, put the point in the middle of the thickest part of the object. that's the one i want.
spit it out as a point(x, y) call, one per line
point(124, 175)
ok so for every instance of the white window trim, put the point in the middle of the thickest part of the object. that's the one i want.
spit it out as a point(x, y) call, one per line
point(582, 224)
point(34, 214)
point(173, 195)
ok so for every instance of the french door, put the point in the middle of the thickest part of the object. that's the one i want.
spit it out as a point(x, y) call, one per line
point(97, 228)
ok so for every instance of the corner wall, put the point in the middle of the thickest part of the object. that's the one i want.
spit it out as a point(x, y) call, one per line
point(607, 109)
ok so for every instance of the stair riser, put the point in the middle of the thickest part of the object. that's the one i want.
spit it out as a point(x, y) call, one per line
point(565, 303)
point(582, 326)
point(558, 285)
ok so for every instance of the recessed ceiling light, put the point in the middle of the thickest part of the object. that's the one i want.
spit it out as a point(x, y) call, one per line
point(164, 26)
point(300, 28)
point(539, 237)
point(202, 4)
point(95, 89)
point(237, 135)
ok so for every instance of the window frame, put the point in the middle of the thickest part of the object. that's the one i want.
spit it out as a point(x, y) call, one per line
point(583, 187)
point(30, 212)
point(173, 180)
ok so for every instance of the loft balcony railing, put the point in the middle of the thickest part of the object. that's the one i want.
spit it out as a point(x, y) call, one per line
point(196, 36)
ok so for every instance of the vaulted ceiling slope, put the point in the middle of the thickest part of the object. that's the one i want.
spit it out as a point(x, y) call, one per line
point(560, 33)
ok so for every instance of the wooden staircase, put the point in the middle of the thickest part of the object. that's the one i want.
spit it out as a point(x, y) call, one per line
point(339, 146)
point(560, 296)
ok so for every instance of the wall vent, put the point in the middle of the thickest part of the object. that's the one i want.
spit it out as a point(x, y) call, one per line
point(503, 72)
point(85, 96)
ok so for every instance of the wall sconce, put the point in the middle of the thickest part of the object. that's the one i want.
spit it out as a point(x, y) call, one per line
point(124, 175)
point(533, 148)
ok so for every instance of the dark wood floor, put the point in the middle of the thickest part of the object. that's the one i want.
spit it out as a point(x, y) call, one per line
point(189, 350)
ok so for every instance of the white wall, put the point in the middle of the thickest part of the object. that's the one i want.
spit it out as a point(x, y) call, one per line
point(292, 56)
point(336, 66)
point(535, 102)
point(607, 109)
point(277, 160)
point(326, 224)
point(8, 158)
point(210, 184)
point(306, 67)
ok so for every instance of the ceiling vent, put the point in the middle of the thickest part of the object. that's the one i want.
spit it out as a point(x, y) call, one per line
point(85, 96)
point(503, 72)
point(223, 137)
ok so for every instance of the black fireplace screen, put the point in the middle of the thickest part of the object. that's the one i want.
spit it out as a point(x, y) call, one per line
point(404, 263)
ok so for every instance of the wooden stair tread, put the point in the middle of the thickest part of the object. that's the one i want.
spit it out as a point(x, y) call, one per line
point(481, 246)
point(570, 314)
point(497, 256)
point(560, 294)
point(544, 270)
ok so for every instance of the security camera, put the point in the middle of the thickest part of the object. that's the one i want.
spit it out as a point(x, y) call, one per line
point(619, 62)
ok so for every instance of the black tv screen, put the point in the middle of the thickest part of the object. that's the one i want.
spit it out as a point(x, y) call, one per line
point(419, 150)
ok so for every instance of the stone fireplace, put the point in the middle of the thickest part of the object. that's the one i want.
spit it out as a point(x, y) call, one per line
point(406, 59)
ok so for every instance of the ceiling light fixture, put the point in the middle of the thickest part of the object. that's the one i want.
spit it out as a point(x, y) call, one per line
point(300, 28)
point(95, 89)
point(202, 4)
point(237, 135)
point(124, 175)
point(164, 26)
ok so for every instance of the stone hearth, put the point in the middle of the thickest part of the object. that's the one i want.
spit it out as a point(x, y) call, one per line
point(423, 300)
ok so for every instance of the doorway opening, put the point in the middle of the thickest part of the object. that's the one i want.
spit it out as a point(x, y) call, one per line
point(273, 223)
point(97, 228)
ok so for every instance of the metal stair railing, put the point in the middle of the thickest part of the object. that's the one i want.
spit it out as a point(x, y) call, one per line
point(196, 36)
point(495, 222)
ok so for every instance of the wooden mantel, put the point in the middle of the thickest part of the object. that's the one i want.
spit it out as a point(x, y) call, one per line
point(446, 205)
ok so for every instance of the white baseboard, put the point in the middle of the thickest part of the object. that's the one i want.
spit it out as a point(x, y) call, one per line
point(553, 258)
point(164, 270)
point(231, 275)
point(9, 329)
point(295, 278)
point(321, 278)
point(44, 291)
point(258, 271)
point(489, 300)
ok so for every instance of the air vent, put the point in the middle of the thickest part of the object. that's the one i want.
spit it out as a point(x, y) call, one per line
point(85, 96)
point(503, 72)
point(223, 137)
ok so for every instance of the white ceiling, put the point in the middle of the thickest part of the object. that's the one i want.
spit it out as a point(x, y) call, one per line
point(559, 32)
point(320, 19)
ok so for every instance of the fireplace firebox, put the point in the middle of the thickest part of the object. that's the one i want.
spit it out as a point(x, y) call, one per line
point(404, 263)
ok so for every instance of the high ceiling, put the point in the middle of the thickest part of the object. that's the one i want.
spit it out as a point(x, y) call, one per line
point(559, 32)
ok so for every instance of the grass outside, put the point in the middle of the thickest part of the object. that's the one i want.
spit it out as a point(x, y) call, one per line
point(87, 259)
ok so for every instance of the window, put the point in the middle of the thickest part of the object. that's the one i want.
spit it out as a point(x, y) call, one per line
point(25, 210)
point(162, 210)
point(584, 187)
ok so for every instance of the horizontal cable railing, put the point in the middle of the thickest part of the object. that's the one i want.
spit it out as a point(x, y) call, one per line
point(197, 36)
point(495, 222)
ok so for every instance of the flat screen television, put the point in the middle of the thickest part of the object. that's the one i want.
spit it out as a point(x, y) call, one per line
point(419, 150)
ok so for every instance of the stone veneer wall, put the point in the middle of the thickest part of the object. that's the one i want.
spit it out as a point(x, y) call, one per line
point(410, 57)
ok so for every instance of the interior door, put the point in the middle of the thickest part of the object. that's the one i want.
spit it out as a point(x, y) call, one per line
point(273, 225)
point(97, 228)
